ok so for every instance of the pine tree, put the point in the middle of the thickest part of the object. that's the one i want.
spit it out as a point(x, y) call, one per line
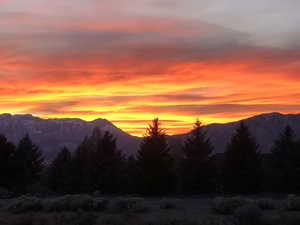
point(285, 162)
point(197, 168)
point(28, 161)
point(243, 169)
point(109, 166)
point(97, 165)
point(155, 162)
point(7, 150)
point(296, 165)
point(132, 175)
point(82, 168)
point(58, 174)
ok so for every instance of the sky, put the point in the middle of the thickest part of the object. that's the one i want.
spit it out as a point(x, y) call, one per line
point(132, 61)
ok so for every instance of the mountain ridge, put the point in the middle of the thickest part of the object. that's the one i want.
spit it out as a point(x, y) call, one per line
point(264, 127)
point(54, 133)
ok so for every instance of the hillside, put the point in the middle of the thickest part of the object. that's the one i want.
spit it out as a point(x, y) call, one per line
point(53, 134)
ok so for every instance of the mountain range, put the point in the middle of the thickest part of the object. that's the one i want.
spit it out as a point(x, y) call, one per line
point(52, 134)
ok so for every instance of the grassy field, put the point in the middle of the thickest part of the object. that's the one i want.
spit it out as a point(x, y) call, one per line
point(90, 210)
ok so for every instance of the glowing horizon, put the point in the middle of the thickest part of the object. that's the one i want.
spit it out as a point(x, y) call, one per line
point(175, 60)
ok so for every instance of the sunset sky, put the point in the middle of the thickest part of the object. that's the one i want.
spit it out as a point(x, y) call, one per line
point(130, 61)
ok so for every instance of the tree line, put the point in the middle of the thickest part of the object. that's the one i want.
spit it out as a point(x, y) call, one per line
point(97, 165)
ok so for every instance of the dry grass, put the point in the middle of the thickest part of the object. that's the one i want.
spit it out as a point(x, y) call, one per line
point(88, 210)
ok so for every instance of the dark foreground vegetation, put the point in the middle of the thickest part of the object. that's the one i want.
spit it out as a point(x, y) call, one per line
point(97, 166)
point(93, 210)
point(81, 188)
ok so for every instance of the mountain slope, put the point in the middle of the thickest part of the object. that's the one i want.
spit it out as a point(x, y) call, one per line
point(265, 128)
point(53, 134)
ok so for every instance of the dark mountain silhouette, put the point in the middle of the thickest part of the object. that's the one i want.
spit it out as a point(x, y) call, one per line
point(52, 134)
point(264, 127)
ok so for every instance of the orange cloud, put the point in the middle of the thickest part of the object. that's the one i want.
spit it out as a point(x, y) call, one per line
point(134, 70)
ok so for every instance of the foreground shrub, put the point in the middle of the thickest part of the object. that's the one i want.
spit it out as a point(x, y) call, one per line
point(74, 203)
point(85, 219)
point(23, 220)
point(2, 204)
point(225, 206)
point(266, 204)
point(290, 219)
point(80, 218)
point(81, 202)
point(24, 204)
point(112, 220)
point(169, 203)
point(123, 204)
point(34, 219)
point(292, 203)
point(100, 204)
point(169, 219)
point(4, 193)
point(57, 204)
point(174, 221)
point(129, 205)
point(282, 219)
point(216, 220)
point(39, 190)
point(249, 214)
point(122, 219)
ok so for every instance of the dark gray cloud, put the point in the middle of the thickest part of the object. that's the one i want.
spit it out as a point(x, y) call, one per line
point(269, 22)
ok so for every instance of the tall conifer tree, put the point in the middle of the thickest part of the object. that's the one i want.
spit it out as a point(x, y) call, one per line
point(98, 165)
point(7, 151)
point(82, 168)
point(285, 162)
point(198, 171)
point(243, 169)
point(132, 175)
point(109, 166)
point(155, 162)
point(58, 174)
point(28, 161)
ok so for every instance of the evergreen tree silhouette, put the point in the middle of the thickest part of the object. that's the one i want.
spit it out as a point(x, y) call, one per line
point(197, 168)
point(7, 151)
point(296, 165)
point(82, 168)
point(285, 161)
point(59, 171)
point(97, 164)
point(155, 162)
point(28, 161)
point(132, 175)
point(243, 169)
point(109, 166)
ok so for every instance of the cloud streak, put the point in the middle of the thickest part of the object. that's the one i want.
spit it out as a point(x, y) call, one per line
point(213, 60)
